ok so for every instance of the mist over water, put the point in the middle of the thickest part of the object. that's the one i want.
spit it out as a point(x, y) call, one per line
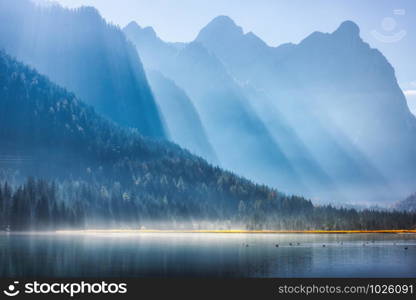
point(207, 255)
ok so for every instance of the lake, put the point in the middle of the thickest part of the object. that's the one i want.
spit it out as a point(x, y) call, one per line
point(207, 255)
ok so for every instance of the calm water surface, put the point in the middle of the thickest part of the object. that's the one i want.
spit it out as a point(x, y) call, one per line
point(208, 255)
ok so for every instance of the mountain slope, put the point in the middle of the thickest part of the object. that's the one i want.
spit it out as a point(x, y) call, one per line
point(47, 132)
point(408, 204)
point(181, 117)
point(80, 51)
point(103, 176)
point(239, 137)
point(338, 95)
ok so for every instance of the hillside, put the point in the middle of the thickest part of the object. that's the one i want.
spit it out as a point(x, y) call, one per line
point(80, 51)
point(408, 204)
point(46, 132)
point(182, 119)
point(86, 172)
point(237, 133)
point(338, 95)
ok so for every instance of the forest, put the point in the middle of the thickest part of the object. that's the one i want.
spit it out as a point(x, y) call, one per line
point(40, 205)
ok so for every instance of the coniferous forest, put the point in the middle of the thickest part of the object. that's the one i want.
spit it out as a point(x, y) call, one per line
point(39, 205)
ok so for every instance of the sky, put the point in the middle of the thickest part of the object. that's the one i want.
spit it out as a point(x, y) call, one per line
point(389, 26)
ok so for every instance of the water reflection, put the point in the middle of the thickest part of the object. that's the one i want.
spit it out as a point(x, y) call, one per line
point(207, 255)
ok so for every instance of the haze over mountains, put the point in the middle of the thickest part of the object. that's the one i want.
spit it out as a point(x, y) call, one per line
point(182, 119)
point(324, 118)
point(95, 174)
point(331, 107)
point(239, 137)
point(102, 174)
point(79, 50)
point(408, 204)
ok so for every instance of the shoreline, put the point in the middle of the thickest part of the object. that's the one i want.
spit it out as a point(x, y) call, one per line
point(140, 231)
point(209, 231)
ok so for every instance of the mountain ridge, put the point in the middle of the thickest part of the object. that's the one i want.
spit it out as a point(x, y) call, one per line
point(316, 86)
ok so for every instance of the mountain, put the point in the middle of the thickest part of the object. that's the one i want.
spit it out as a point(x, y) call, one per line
point(96, 174)
point(156, 53)
point(47, 132)
point(239, 137)
point(181, 117)
point(408, 204)
point(80, 51)
point(338, 95)
point(298, 151)
point(224, 38)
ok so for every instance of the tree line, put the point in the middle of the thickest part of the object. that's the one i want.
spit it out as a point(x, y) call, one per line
point(43, 205)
